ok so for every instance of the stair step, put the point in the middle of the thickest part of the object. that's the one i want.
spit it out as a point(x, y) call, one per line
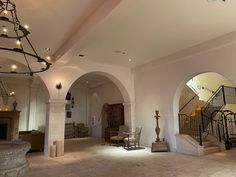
point(207, 144)
point(210, 150)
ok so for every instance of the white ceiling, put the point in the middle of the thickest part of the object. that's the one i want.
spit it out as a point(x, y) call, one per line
point(52, 22)
point(150, 29)
point(144, 29)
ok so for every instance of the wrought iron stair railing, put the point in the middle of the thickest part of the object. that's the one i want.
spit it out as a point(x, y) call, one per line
point(223, 127)
point(214, 120)
point(191, 127)
point(223, 95)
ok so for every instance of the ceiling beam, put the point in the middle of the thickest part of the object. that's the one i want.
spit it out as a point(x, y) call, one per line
point(85, 28)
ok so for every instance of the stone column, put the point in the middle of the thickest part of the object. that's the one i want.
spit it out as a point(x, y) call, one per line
point(32, 108)
point(129, 114)
point(55, 123)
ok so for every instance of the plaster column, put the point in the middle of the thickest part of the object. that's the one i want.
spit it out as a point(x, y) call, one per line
point(32, 108)
point(129, 114)
point(55, 123)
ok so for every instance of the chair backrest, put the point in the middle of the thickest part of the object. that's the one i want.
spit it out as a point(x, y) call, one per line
point(138, 133)
point(122, 129)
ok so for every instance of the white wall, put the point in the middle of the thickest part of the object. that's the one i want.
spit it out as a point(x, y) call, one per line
point(210, 81)
point(159, 85)
point(79, 112)
point(106, 93)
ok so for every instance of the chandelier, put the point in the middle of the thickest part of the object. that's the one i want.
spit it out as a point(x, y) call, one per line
point(14, 39)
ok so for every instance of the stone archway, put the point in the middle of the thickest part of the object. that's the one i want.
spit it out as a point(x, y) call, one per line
point(67, 76)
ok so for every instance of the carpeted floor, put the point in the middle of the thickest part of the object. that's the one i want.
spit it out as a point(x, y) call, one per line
point(90, 158)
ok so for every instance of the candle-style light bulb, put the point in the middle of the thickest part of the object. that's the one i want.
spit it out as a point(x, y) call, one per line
point(26, 26)
point(18, 42)
point(5, 12)
point(13, 68)
point(4, 30)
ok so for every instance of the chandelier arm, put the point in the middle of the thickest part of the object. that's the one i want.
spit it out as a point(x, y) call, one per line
point(30, 54)
point(19, 33)
point(31, 46)
point(27, 62)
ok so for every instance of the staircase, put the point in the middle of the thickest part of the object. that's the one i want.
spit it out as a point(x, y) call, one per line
point(209, 147)
point(213, 120)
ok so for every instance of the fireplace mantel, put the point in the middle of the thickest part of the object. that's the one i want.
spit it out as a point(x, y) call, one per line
point(11, 118)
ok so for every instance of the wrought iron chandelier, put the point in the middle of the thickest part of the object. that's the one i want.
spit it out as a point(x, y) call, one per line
point(14, 38)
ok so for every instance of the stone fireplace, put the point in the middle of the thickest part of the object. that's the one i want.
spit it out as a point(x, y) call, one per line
point(9, 125)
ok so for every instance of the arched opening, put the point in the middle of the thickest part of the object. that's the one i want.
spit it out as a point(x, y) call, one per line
point(25, 97)
point(88, 100)
point(203, 85)
point(200, 101)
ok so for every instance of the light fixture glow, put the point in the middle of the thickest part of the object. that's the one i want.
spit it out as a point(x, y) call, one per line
point(26, 26)
point(130, 59)
point(48, 58)
point(4, 30)
point(13, 66)
point(18, 42)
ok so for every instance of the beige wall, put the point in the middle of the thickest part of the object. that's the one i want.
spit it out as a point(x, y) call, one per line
point(79, 112)
point(159, 86)
point(21, 87)
point(106, 93)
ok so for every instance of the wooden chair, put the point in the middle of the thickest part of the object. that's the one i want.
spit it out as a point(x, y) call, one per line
point(119, 135)
point(133, 139)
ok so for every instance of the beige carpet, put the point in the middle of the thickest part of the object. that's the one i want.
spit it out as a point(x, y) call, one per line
point(88, 158)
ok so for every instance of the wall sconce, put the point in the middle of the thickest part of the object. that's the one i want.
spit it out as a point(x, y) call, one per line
point(59, 86)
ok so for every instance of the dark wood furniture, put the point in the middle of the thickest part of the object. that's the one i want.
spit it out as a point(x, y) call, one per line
point(82, 130)
point(115, 118)
point(69, 130)
point(35, 138)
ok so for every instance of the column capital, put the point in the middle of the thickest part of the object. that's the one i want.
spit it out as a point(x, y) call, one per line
point(55, 101)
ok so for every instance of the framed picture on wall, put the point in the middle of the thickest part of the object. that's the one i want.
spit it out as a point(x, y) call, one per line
point(68, 106)
point(68, 114)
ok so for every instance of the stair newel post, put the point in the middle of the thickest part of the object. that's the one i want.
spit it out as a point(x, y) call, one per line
point(212, 125)
point(180, 123)
point(226, 131)
point(223, 91)
point(203, 127)
point(218, 126)
point(200, 135)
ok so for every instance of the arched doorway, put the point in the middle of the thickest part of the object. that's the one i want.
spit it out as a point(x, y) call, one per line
point(200, 100)
point(200, 83)
point(86, 100)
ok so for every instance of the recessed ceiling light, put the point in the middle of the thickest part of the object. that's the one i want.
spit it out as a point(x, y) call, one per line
point(117, 51)
point(48, 58)
point(80, 55)
point(130, 59)
point(47, 49)
point(120, 52)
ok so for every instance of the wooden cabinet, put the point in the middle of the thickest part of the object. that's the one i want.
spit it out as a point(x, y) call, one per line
point(115, 118)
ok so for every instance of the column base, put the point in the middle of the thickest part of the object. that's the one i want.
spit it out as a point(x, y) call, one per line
point(159, 147)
